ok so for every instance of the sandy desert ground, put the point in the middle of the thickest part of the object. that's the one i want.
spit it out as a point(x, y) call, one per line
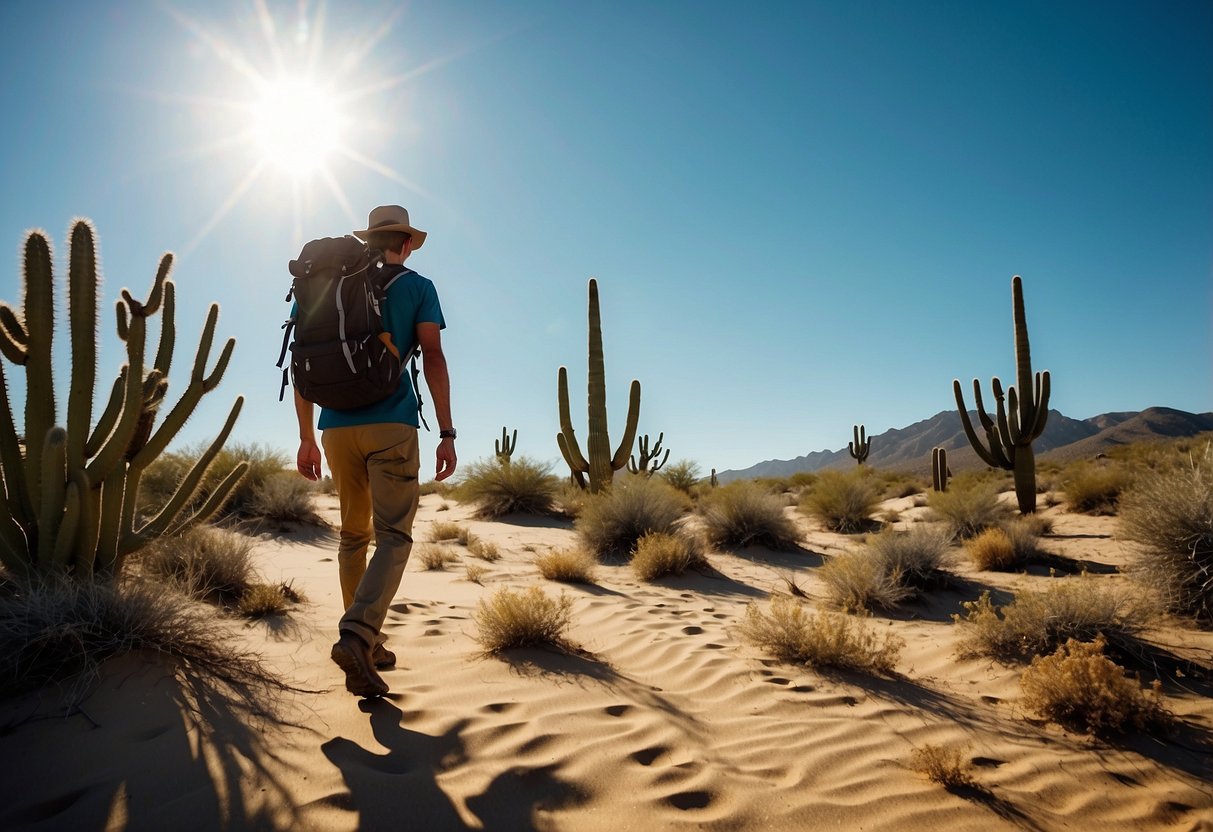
point(663, 719)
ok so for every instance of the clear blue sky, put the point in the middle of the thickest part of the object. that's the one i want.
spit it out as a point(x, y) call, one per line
point(802, 215)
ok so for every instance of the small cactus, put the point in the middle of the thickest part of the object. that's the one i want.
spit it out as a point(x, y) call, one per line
point(601, 464)
point(713, 481)
point(861, 446)
point(648, 464)
point(504, 448)
point(939, 469)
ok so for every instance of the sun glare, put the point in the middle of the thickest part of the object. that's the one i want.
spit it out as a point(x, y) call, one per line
point(297, 125)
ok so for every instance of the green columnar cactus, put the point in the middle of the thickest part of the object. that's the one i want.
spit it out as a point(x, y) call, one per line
point(1018, 422)
point(71, 492)
point(647, 457)
point(939, 469)
point(861, 446)
point(714, 482)
point(505, 448)
point(601, 464)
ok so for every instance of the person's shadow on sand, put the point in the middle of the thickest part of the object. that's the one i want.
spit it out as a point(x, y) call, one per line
point(399, 790)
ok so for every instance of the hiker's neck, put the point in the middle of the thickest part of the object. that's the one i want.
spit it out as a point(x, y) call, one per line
point(397, 258)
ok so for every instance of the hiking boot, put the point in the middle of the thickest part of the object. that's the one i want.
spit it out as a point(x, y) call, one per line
point(383, 657)
point(354, 657)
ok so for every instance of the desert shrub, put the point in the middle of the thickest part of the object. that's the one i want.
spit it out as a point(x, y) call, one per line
point(483, 549)
point(918, 556)
point(205, 562)
point(945, 766)
point(569, 499)
point(612, 521)
point(659, 554)
point(842, 502)
point(284, 497)
point(1080, 688)
point(442, 488)
point(1094, 489)
point(991, 550)
point(860, 580)
point(526, 618)
point(1037, 525)
point(743, 513)
point(163, 476)
point(572, 566)
point(968, 510)
point(1038, 622)
point(433, 557)
point(524, 487)
point(60, 631)
point(261, 600)
point(792, 634)
point(682, 475)
point(1168, 513)
point(442, 531)
point(475, 573)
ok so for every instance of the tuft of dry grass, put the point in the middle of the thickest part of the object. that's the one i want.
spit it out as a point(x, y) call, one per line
point(991, 549)
point(945, 766)
point(262, 600)
point(572, 566)
point(522, 618)
point(842, 502)
point(1080, 688)
point(206, 563)
point(792, 634)
point(523, 486)
point(968, 509)
point(743, 514)
point(284, 497)
point(682, 474)
point(659, 554)
point(569, 500)
point(1168, 513)
point(890, 568)
point(59, 632)
point(435, 557)
point(1038, 622)
point(442, 531)
point(1093, 488)
point(484, 549)
point(612, 522)
point(475, 573)
point(435, 487)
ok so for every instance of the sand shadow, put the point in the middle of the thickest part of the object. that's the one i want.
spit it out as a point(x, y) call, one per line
point(946, 598)
point(398, 788)
point(795, 558)
point(1043, 563)
point(534, 521)
point(975, 793)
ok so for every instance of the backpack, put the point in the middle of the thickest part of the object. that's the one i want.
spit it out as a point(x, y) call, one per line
point(338, 359)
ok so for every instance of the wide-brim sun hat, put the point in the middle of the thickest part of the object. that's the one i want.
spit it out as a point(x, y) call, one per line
point(391, 218)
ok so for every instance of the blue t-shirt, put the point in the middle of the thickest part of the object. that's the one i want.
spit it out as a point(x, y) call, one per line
point(411, 300)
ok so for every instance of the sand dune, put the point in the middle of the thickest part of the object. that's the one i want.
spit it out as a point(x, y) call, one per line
point(662, 719)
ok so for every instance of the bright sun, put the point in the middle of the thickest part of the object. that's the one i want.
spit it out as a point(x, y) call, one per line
point(297, 125)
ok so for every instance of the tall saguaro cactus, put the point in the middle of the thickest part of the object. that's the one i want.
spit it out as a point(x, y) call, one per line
point(939, 469)
point(71, 492)
point(861, 446)
point(648, 463)
point(601, 464)
point(1019, 420)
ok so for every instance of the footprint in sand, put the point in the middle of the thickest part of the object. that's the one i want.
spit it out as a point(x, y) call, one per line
point(692, 631)
point(647, 756)
point(698, 799)
point(617, 710)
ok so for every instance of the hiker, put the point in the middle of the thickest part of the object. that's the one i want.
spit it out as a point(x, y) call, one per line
point(372, 453)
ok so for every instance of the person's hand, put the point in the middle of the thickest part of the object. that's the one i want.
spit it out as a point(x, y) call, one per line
point(307, 461)
point(446, 459)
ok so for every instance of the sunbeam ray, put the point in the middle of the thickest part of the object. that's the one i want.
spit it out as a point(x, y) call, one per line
point(271, 34)
point(222, 50)
point(339, 195)
point(228, 204)
point(381, 169)
point(354, 58)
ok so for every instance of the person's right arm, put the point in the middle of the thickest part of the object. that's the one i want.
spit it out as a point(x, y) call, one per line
point(437, 378)
point(307, 460)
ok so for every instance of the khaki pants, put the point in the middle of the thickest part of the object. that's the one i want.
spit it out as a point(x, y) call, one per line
point(375, 470)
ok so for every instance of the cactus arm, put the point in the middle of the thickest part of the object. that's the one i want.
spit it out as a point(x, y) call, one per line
point(13, 338)
point(65, 540)
point(13, 549)
point(1013, 434)
point(1023, 354)
point(54, 488)
point(88, 527)
point(567, 453)
point(40, 383)
point(168, 325)
point(113, 450)
point(1042, 405)
point(215, 501)
point(109, 417)
point(16, 493)
point(82, 304)
point(967, 424)
point(567, 438)
point(659, 465)
point(109, 522)
point(598, 442)
point(629, 429)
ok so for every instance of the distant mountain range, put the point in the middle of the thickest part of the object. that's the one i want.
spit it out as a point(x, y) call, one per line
point(1064, 439)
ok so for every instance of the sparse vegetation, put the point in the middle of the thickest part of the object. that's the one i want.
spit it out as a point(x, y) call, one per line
point(842, 502)
point(484, 549)
point(475, 573)
point(522, 486)
point(263, 600)
point(744, 514)
point(1039, 621)
point(442, 531)
point(442, 488)
point(522, 618)
point(659, 554)
point(569, 500)
point(992, 550)
point(683, 475)
point(1168, 513)
point(1080, 688)
point(572, 565)
point(1092, 488)
point(207, 563)
point(612, 521)
point(969, 507)
point(285, 497)
point(163, 476)
point(890, 568)
point(435, 557)
point(822, 639)
point(945, 766)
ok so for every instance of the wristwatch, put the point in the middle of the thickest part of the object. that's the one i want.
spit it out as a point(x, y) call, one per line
point(449, 433)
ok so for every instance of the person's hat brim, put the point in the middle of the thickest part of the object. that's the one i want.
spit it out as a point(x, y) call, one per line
point(417, 235)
